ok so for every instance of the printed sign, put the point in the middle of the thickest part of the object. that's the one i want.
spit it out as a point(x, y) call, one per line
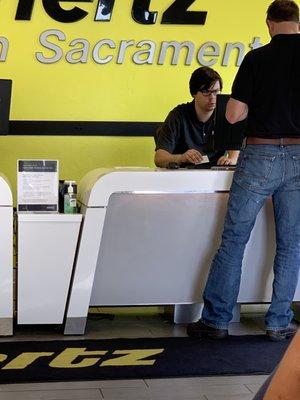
point(37, 186)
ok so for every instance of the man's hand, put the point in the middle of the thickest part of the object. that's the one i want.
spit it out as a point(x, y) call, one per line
point(163, 158)
point(225, 160)
point(191, 156)
point(229, 159)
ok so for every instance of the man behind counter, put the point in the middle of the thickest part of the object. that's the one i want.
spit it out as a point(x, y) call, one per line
point(186, 135)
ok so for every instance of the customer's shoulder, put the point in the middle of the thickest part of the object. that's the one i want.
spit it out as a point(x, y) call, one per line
point(258, 51)
point(254, 56)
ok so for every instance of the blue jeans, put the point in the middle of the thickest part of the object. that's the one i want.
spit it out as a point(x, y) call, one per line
point(262, 170)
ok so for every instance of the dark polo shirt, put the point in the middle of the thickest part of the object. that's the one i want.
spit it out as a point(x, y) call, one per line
point(268, 81)
point(182, 131)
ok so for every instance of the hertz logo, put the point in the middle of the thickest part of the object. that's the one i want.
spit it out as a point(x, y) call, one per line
point(80, 357)
point(58, 46)
point(176, 13)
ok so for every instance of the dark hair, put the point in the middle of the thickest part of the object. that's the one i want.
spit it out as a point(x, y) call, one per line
point(283, 11)
point(203, 78)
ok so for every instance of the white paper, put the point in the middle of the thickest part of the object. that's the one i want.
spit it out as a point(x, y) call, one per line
point(205, 160)
point(38, 185)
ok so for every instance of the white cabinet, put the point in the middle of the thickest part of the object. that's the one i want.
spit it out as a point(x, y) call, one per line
point(46, 252)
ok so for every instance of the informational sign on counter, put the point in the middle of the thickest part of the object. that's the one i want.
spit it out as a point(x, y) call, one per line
point(37, 185)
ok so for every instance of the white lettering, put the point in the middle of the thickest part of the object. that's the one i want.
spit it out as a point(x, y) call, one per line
point(58, 53)
point(208, 49)
point(78, 55)
point(177, 46)
point(4, 48)
point(144, 56)
point(208, 53)
point(228, 49)
point(107, 59)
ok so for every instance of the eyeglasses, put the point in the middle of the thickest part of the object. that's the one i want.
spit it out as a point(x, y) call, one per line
point(207, 92)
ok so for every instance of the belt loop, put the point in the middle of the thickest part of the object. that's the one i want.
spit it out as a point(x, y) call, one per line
point(244, 143)
point(281, 141)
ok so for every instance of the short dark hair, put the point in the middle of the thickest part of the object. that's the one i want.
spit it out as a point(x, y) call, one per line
point(202, 79)
point(283, 11)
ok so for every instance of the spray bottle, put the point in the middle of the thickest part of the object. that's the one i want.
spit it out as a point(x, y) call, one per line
point(70, 203)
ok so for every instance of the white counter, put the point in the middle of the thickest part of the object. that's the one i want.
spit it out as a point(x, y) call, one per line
point(148, 238)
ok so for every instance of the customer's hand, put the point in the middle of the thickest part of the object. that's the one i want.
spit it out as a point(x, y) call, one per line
point(191, 156)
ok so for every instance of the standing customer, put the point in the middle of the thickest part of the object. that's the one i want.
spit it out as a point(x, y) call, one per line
point(267, 90)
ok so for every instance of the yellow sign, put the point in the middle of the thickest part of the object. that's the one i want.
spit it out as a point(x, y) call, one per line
point(104, 60)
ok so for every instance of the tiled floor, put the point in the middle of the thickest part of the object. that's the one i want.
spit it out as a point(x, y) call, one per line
point(139, 324)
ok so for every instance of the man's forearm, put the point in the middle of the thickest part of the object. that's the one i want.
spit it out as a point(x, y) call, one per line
point(233, 154)
point(230, 158)
point(163, 158)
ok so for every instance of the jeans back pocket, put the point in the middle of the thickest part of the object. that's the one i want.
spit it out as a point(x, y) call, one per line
point(253, 170)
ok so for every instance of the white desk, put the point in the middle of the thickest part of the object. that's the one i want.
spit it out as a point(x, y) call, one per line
point(6, 258)
point(148, 238)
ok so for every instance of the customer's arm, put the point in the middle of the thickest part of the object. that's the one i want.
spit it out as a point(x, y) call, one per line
point(236, 111)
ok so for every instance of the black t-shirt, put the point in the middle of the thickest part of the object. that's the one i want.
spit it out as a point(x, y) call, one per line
point(182, 131)
point(268, 81)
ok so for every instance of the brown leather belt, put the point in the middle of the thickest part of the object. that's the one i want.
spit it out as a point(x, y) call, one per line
point(280, 141)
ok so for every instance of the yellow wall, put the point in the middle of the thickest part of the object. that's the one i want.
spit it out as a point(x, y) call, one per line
point(76, 155)
point(111, 92)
